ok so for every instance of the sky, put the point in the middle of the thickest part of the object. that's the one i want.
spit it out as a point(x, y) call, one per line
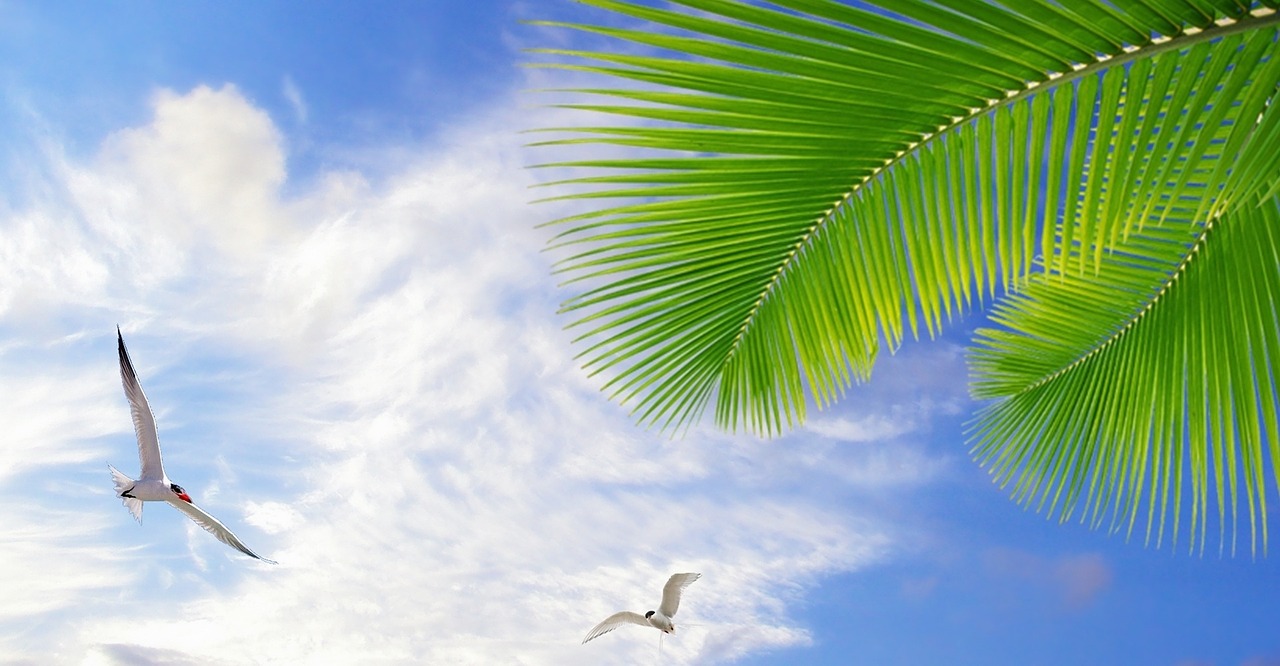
point(312, 223)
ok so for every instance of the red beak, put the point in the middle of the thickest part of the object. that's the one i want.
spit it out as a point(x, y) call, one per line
point(185, 497)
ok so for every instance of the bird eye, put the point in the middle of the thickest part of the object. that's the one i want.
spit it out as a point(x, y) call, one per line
point(176, 488)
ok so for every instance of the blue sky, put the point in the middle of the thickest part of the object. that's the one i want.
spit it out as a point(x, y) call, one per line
point(311, 222)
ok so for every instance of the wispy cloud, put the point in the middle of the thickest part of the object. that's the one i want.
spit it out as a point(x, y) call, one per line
point(911, 389)
point(52, 415)
point(364, 379)
point(864, 428)
point(1077, 580)
point(293, 95)
point(1083, 578)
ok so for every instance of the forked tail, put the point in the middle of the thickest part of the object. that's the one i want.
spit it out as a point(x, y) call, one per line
point(123, 485)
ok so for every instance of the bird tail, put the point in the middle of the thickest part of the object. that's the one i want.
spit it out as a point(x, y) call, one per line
point(125, 484)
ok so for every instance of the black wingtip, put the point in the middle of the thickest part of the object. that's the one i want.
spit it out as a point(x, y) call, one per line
point(259, 557)
point(126, 363)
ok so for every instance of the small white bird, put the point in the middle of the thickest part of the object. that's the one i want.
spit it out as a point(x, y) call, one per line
point(659, 619)
point(154, 486)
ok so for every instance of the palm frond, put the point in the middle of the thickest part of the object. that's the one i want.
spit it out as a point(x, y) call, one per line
point(821, 179)
point(1129, 384)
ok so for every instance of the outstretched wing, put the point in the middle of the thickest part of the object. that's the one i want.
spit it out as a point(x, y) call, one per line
point(671, 592)
point(215, 527)
point(144, 422)
point(614, 621)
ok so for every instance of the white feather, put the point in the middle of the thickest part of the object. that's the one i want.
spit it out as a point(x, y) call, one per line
point(614, 621)
point(672, 590)
point(215, 527)
point(123, 484)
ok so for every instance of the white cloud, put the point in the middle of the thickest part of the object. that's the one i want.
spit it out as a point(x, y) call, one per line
point(52, 416)
point(364, 380)
point(29, 541)
point(272, 517)
point(909, 390)
point(293, 95)
point(863, 428)
point(206, 170)
point(42, 263)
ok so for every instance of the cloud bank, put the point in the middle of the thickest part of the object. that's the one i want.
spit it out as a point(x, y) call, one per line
point(362, 375)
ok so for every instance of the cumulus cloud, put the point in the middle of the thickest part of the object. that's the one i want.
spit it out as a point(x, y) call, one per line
point(364, 379)
point(205, 171)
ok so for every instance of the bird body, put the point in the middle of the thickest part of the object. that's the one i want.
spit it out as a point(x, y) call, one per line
point(154, 485)
point(660, 622)
point(660, 619)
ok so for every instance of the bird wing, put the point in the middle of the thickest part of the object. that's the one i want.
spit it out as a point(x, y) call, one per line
point(144, 422)
point(614, 621)
point(671, 592)
point(215, 527)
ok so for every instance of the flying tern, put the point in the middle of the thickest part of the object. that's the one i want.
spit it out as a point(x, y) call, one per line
point(154, 486)
point(659, 619)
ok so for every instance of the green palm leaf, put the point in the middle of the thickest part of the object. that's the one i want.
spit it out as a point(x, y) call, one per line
point(817, 180)
point(1093, 403)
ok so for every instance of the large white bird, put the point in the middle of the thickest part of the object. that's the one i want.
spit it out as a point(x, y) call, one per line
point(659, 619)
point(154, 486)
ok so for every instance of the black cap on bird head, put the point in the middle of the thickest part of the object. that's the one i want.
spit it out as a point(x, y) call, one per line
point(182, 494)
